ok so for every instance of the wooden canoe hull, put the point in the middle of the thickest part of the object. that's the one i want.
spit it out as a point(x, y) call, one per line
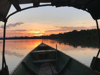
point(64, 64)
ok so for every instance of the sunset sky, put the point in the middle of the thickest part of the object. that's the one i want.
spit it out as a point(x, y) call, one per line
point(47, 20)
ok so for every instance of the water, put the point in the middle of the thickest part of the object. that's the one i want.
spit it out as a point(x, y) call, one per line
point(16, 50)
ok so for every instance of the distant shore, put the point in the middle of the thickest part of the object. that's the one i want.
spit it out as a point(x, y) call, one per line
point(83, 37)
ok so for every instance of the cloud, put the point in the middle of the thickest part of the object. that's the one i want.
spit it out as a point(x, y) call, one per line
point(53, 30)
point(18, 31)
point(66, 29)
point(14, 53)
point(71, 28)
point(12, 25)
point(23, 32)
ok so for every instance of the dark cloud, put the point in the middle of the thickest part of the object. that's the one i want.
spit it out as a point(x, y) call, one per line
point(18, 30)
point(72, 28)
point(12, 25)
point(65, 28)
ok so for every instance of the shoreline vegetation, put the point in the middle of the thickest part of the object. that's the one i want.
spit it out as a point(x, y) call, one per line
point(76, 38)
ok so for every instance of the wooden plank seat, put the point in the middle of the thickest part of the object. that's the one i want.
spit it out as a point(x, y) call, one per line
point(47, 69)
point(29, 69)
point(43, 51)
point(46, 60)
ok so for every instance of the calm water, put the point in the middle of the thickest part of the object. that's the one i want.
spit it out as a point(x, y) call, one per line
point(16, 50)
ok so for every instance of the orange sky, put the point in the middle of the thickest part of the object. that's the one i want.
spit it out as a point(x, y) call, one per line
point(46, 21)
point(28, 29)
point(21, 29)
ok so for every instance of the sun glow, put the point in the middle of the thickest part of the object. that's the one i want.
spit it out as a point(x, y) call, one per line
point(36, 33)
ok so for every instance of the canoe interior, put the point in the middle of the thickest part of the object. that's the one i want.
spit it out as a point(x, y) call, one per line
point(42, 55)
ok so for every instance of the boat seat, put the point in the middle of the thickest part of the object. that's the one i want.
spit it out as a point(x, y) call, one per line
point(43, 51)
point(46, 60)
point(29, 69)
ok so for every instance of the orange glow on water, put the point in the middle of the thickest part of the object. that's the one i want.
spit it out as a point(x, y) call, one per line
point(16, 50)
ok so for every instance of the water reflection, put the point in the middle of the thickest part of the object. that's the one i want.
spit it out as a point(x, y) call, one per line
point(89, 44)
point(16, 50)
point(13, 54)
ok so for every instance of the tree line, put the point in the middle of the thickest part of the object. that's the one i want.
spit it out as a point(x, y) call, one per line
point(76, 38)
point(74, 35)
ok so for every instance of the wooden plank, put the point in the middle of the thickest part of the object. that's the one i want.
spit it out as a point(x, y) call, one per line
point(43, 51)
point(45, 69)
point(53, 69)
point(48, 70)
point(46, 60)
point(42, 71)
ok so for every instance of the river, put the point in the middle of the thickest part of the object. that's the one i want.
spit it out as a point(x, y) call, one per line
point(16, 50)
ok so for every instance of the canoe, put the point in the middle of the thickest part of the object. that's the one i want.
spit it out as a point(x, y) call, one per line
point(45, 60)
